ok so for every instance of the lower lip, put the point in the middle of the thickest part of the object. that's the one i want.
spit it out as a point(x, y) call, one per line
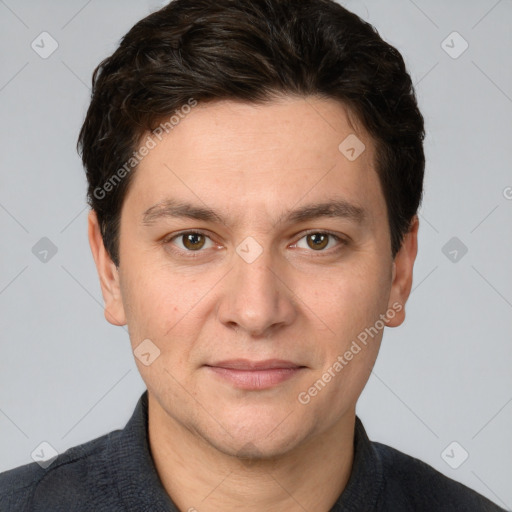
point(255, 379)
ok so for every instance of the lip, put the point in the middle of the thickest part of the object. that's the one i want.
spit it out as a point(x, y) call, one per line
point(247, 364)
point(255, 375)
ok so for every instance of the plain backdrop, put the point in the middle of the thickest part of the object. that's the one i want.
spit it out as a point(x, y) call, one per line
point(67, 376)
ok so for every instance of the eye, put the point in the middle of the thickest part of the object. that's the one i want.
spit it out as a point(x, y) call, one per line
point(191, 241)
point(319, 240)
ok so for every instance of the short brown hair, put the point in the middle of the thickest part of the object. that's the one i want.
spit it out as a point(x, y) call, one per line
point(251, 50)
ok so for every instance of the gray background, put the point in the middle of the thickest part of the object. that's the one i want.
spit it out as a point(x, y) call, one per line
point(67, 376)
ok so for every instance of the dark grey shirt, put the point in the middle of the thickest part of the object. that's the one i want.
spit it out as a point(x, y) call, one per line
point(116, 473)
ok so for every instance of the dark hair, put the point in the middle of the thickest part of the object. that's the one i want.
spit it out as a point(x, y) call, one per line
point(250, 50)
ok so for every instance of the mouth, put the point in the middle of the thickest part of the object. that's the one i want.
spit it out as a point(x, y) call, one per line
point(255, 375)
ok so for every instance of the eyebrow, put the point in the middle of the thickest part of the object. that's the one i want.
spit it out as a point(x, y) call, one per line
point(171, 208)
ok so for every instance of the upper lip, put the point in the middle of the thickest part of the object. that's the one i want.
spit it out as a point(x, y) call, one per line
point(246, 364)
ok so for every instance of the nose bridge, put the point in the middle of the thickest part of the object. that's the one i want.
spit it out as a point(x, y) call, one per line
point(255, 299)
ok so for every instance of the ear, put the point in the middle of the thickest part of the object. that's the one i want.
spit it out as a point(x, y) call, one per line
point(402, 274)
point(107, 272)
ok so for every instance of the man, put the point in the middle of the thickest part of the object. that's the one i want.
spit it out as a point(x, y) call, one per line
point(255, 168)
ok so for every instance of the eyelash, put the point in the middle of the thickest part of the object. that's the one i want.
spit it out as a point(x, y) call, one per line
point(194, 254)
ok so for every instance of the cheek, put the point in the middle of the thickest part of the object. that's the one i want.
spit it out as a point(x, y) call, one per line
point(351, 307)
point(160, 310)
point(353, 300)
point(149, 302)
point(149, 290)
point(165, 307)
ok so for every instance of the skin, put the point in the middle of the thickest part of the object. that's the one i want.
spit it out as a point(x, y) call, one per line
point(215, 446)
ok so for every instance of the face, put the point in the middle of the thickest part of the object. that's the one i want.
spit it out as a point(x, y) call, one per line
point(265, 304)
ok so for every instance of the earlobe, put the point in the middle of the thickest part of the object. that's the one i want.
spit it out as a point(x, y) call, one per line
point(402, 275)
point(107, 273)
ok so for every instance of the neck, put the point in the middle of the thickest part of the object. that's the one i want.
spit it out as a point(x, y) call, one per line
point(200, 478)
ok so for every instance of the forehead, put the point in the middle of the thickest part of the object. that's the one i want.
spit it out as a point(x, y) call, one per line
point(259, 160)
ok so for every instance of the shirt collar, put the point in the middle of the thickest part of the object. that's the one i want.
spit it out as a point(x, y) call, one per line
point(366, 478)
point(140, 488)
point(133, 470)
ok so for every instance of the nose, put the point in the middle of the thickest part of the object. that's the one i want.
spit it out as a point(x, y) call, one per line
point(256, 297)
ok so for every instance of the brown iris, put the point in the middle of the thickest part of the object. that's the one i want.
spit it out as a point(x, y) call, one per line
point(193, 241)
point(319, 240)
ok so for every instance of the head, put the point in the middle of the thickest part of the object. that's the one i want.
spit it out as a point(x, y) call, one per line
point(255, 170)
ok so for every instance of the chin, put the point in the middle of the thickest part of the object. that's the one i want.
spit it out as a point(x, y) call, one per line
point(263, 438)
point(255, 451)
